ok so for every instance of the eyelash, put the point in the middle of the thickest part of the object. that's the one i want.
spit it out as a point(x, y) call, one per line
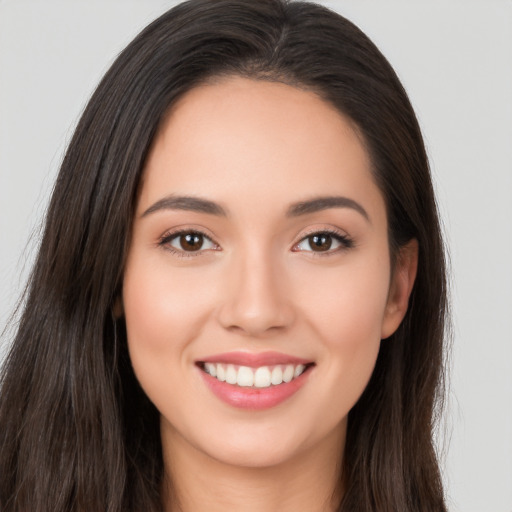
point(164, 242)
point(345, 241)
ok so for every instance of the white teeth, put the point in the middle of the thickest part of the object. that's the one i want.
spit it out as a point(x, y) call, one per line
point(298, 370)
point(245, 376)
point(288, 373)
point(221, 373)
point(277, 376)
point(211, 369)
point(231, 374)
point(261, 377)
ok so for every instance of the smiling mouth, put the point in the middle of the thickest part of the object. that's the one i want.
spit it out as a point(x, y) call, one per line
point(260, 377)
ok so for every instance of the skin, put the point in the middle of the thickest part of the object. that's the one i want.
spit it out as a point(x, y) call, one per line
point(256, 148)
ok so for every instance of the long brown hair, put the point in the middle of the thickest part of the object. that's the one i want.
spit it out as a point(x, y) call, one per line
point(77, 433)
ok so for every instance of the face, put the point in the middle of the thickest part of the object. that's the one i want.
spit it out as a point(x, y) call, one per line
point(258, 284)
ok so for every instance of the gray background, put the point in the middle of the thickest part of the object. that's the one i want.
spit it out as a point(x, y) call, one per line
point(455, 60)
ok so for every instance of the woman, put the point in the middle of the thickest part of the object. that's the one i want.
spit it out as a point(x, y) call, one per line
point(239, 298)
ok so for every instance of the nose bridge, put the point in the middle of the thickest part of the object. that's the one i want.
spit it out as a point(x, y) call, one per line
point(257, 299)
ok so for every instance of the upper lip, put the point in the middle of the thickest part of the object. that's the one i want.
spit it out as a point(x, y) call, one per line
point(254, 359)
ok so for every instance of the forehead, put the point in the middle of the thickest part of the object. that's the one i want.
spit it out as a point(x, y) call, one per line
point(246, 141)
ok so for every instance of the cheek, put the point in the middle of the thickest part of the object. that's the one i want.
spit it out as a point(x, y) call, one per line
point(347, 304)
point(164, 311)
point(345, 311)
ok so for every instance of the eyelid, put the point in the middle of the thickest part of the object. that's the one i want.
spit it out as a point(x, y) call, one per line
point(168, 236)
point(345, 240)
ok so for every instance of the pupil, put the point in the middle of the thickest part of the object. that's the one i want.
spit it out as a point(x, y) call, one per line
point(191, 241)
point(320, 242)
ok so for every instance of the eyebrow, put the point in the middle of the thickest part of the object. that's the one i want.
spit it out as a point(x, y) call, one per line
point(196, 204)
point(324, 203)
point(189, 203)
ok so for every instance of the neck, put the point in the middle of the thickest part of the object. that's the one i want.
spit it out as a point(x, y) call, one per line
point(311, 481)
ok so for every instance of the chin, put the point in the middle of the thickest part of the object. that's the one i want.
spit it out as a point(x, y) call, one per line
point(251, 456)
point(259, 446)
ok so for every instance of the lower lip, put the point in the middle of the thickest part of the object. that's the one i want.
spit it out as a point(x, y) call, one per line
point(254, 398)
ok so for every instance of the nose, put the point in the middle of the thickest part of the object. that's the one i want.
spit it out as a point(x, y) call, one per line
point(257, 299)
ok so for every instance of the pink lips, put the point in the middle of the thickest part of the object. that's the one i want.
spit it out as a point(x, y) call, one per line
point(249, 397)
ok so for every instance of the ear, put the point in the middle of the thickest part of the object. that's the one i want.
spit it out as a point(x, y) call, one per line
point(402, 281)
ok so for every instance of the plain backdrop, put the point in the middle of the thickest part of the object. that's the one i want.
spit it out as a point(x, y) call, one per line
point(455, 60)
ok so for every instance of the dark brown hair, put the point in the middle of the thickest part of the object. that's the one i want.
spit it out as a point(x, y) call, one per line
point(76, 431)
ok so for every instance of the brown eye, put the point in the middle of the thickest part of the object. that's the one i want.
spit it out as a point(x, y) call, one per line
point(320, 242)
point(191, 241)
point(188, 242)
point(324, 241)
